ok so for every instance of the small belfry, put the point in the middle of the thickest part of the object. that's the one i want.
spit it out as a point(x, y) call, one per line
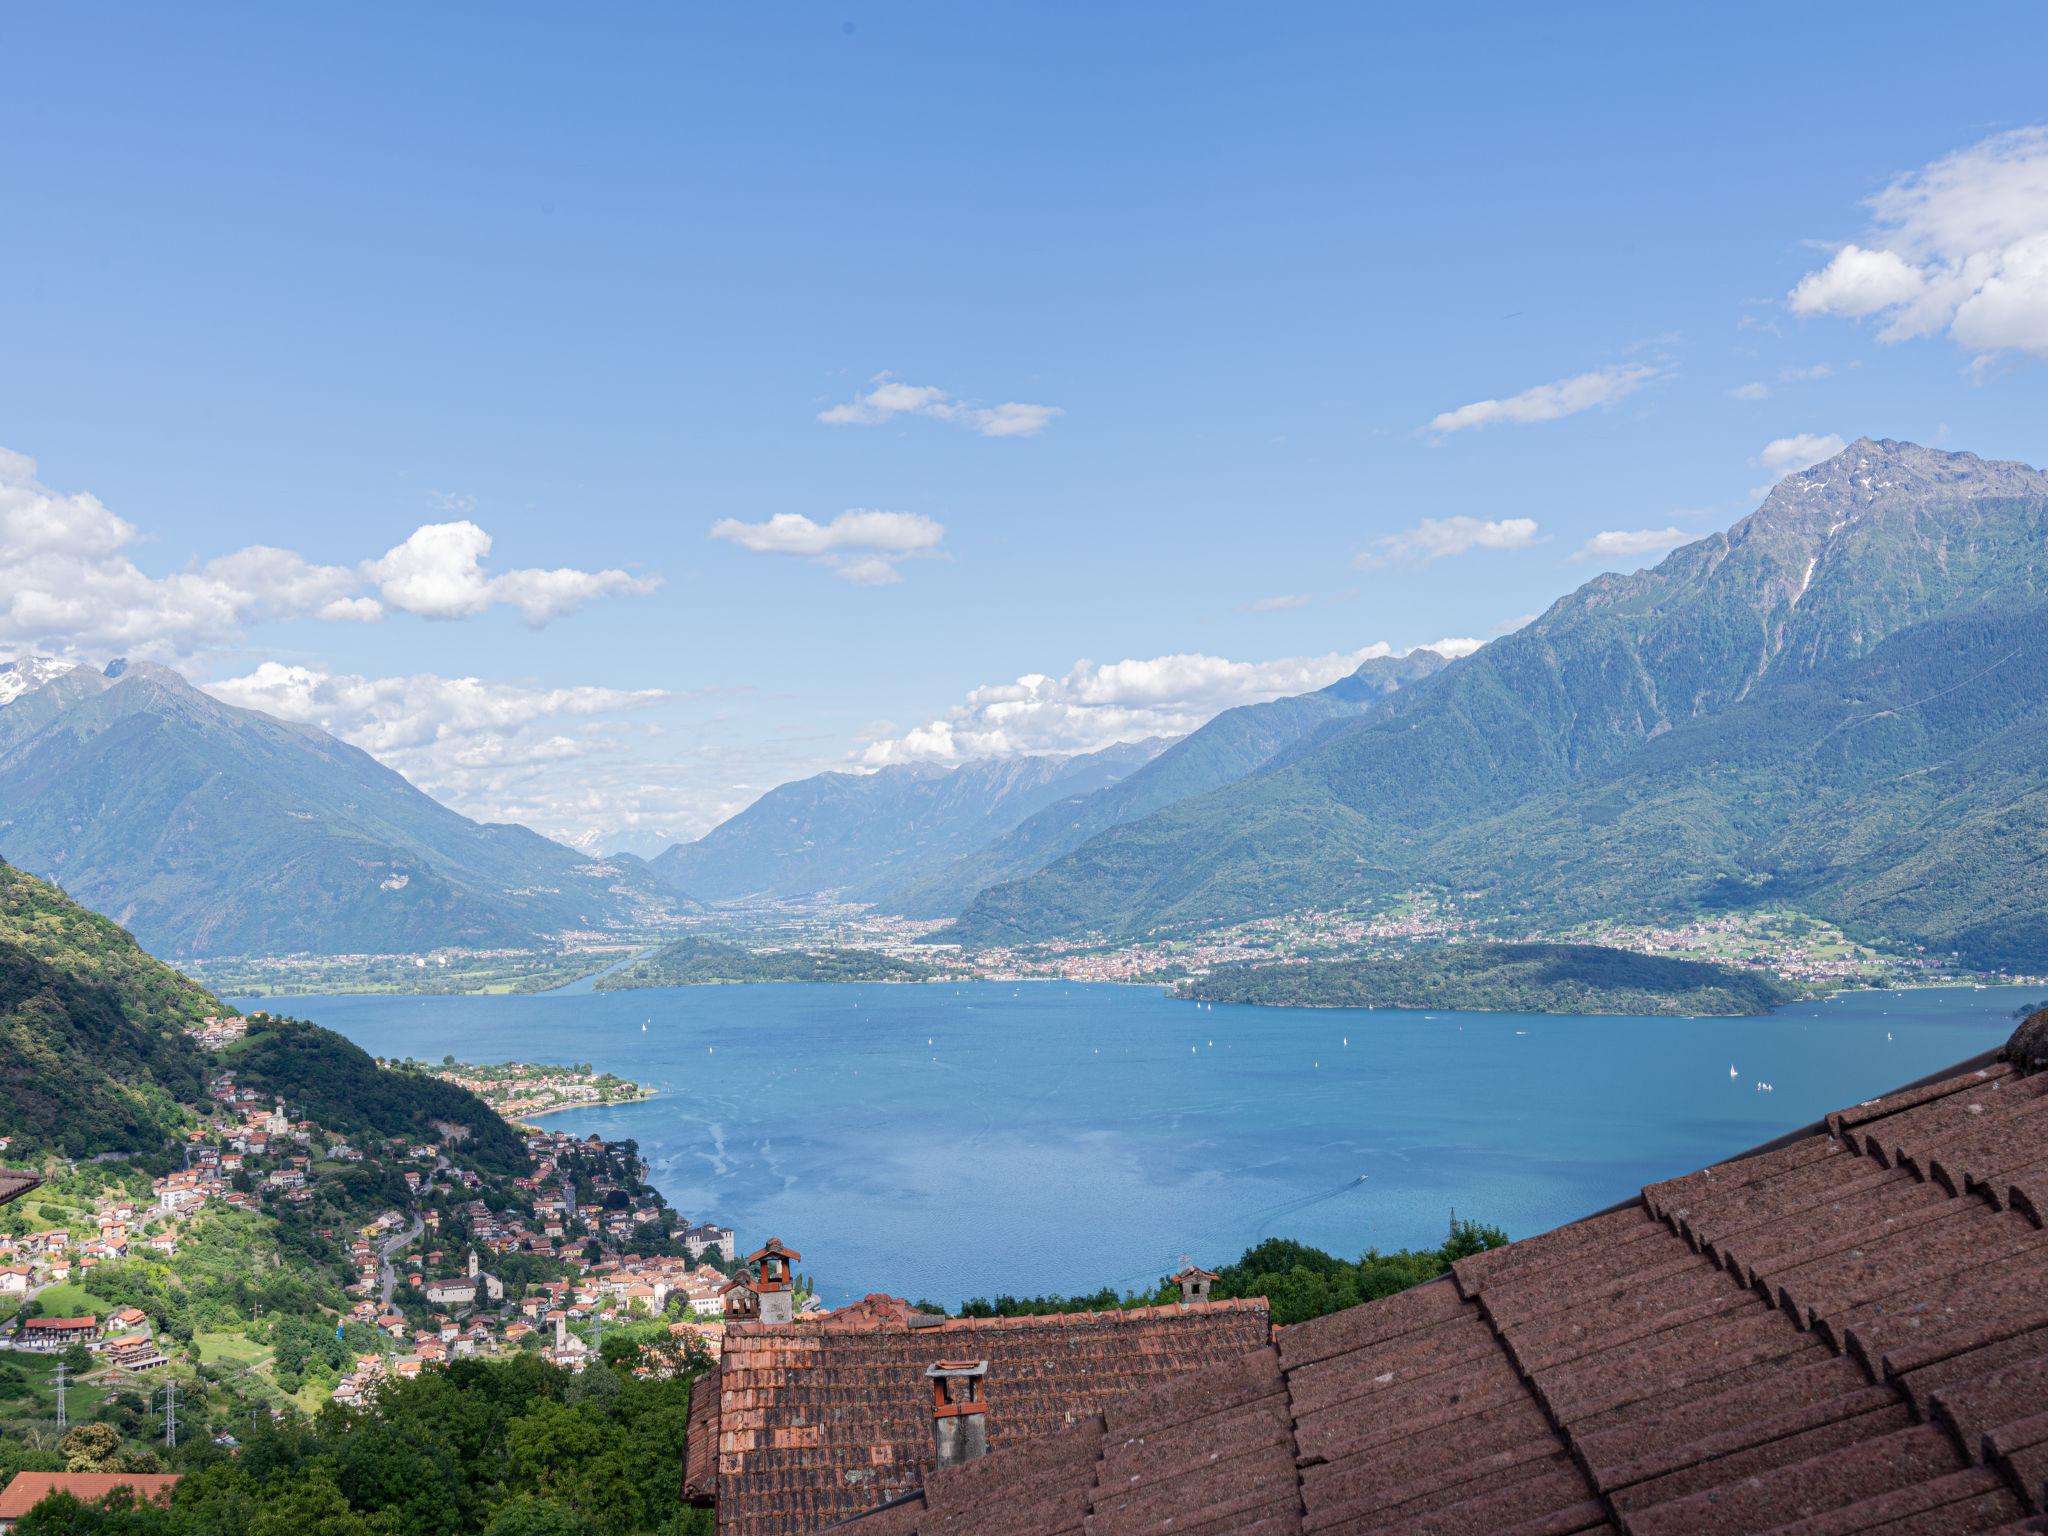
point(1194, 1283)
point(774, 1269)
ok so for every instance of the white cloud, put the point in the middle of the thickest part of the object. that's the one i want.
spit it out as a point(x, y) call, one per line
point(1439, 538)
point(1784, 455)
point(1619, 546)
point(463, 740)
point(1549, 402)
point(859, 546)
point(1093, 706)
point(1959, 245)
point(67, 582)
point(437, 573)
point(1751, 391)
point(1276, 604)
point(887, 398)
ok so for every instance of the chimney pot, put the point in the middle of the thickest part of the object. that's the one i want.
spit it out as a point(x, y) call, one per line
point(959, 1412)
point(1194, 1283)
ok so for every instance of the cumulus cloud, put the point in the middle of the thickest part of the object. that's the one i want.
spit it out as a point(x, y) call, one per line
point(887, 398)
point(1626, 546)
point(1093, 706)
point(1439, 538)
point(437, 573)
point(68, 583)
point(859, 545)
point(1959, 245)
point(1549, 402)
point(437, 731)
point(1754, 390)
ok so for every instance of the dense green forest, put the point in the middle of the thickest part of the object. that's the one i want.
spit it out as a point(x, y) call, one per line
point(1299, 1282)
point(330, 1080)
point(93, 1056)
point(1511, 978)
point(699, 961)
point(511, 1447)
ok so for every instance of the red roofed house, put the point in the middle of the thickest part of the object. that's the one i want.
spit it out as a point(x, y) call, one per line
point(29, 1489)
point(807, 1423)
point(1844, 1331)
point(57, 1332)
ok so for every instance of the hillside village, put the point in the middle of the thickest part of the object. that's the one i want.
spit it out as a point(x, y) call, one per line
point(385, 1255)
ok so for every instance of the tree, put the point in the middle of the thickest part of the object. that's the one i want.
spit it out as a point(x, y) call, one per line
point(529, 1516)
point(90, 1448)
point(76, 1358)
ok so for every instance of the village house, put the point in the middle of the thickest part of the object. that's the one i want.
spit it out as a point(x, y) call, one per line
point(49, 1333)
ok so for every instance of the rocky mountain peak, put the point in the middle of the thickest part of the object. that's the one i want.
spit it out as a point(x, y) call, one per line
point(25, 674)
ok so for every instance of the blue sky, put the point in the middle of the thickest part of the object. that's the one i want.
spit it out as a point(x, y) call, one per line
point(1172, 296)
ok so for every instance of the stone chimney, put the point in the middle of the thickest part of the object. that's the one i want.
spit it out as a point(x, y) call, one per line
point(959, 1413)
point(775, 1280)
point(1194, 1283)
point(741, 1304)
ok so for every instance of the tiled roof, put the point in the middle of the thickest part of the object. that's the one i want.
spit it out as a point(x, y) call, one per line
point(30, 1488)
point(1847, 1332)
point(808, 1423)
point(14, 1184)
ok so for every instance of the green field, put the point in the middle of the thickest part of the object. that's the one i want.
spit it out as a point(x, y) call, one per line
point(73, 1300)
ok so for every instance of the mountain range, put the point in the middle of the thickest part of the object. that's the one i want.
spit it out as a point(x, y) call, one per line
point(210, 830)
point(858, 834)
point(1839, 704)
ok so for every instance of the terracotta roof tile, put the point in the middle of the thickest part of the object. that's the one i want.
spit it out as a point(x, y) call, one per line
point(1818, 1340)
point(2009, 1395)
point(1907, 1139)
point(1843, 1122)
point(1863, 1468)
point(818, 1421)
point(1956, 1505)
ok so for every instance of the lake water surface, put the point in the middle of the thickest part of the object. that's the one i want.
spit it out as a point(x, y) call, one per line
point(954, 1141)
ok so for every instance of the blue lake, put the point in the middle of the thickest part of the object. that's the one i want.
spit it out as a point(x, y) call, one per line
point(953, 1141)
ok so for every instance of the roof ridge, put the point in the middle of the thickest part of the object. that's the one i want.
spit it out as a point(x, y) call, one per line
point(1107, 1316)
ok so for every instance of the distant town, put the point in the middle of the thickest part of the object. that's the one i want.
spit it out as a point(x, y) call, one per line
point(1804, 952)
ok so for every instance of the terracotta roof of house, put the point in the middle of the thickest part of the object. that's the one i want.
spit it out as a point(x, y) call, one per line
point(14, 1183)
point(1844, 1332)
point(808, 1423)
point(30, 1488)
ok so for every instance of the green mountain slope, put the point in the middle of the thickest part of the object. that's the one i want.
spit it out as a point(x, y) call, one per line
point(1236, 743)
point(215, 831)
point(858, 832)
point(1657, 739)
point(94, 1057)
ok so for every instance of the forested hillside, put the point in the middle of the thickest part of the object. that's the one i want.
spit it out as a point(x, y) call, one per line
point(93, 1057)
point(1515, 978)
